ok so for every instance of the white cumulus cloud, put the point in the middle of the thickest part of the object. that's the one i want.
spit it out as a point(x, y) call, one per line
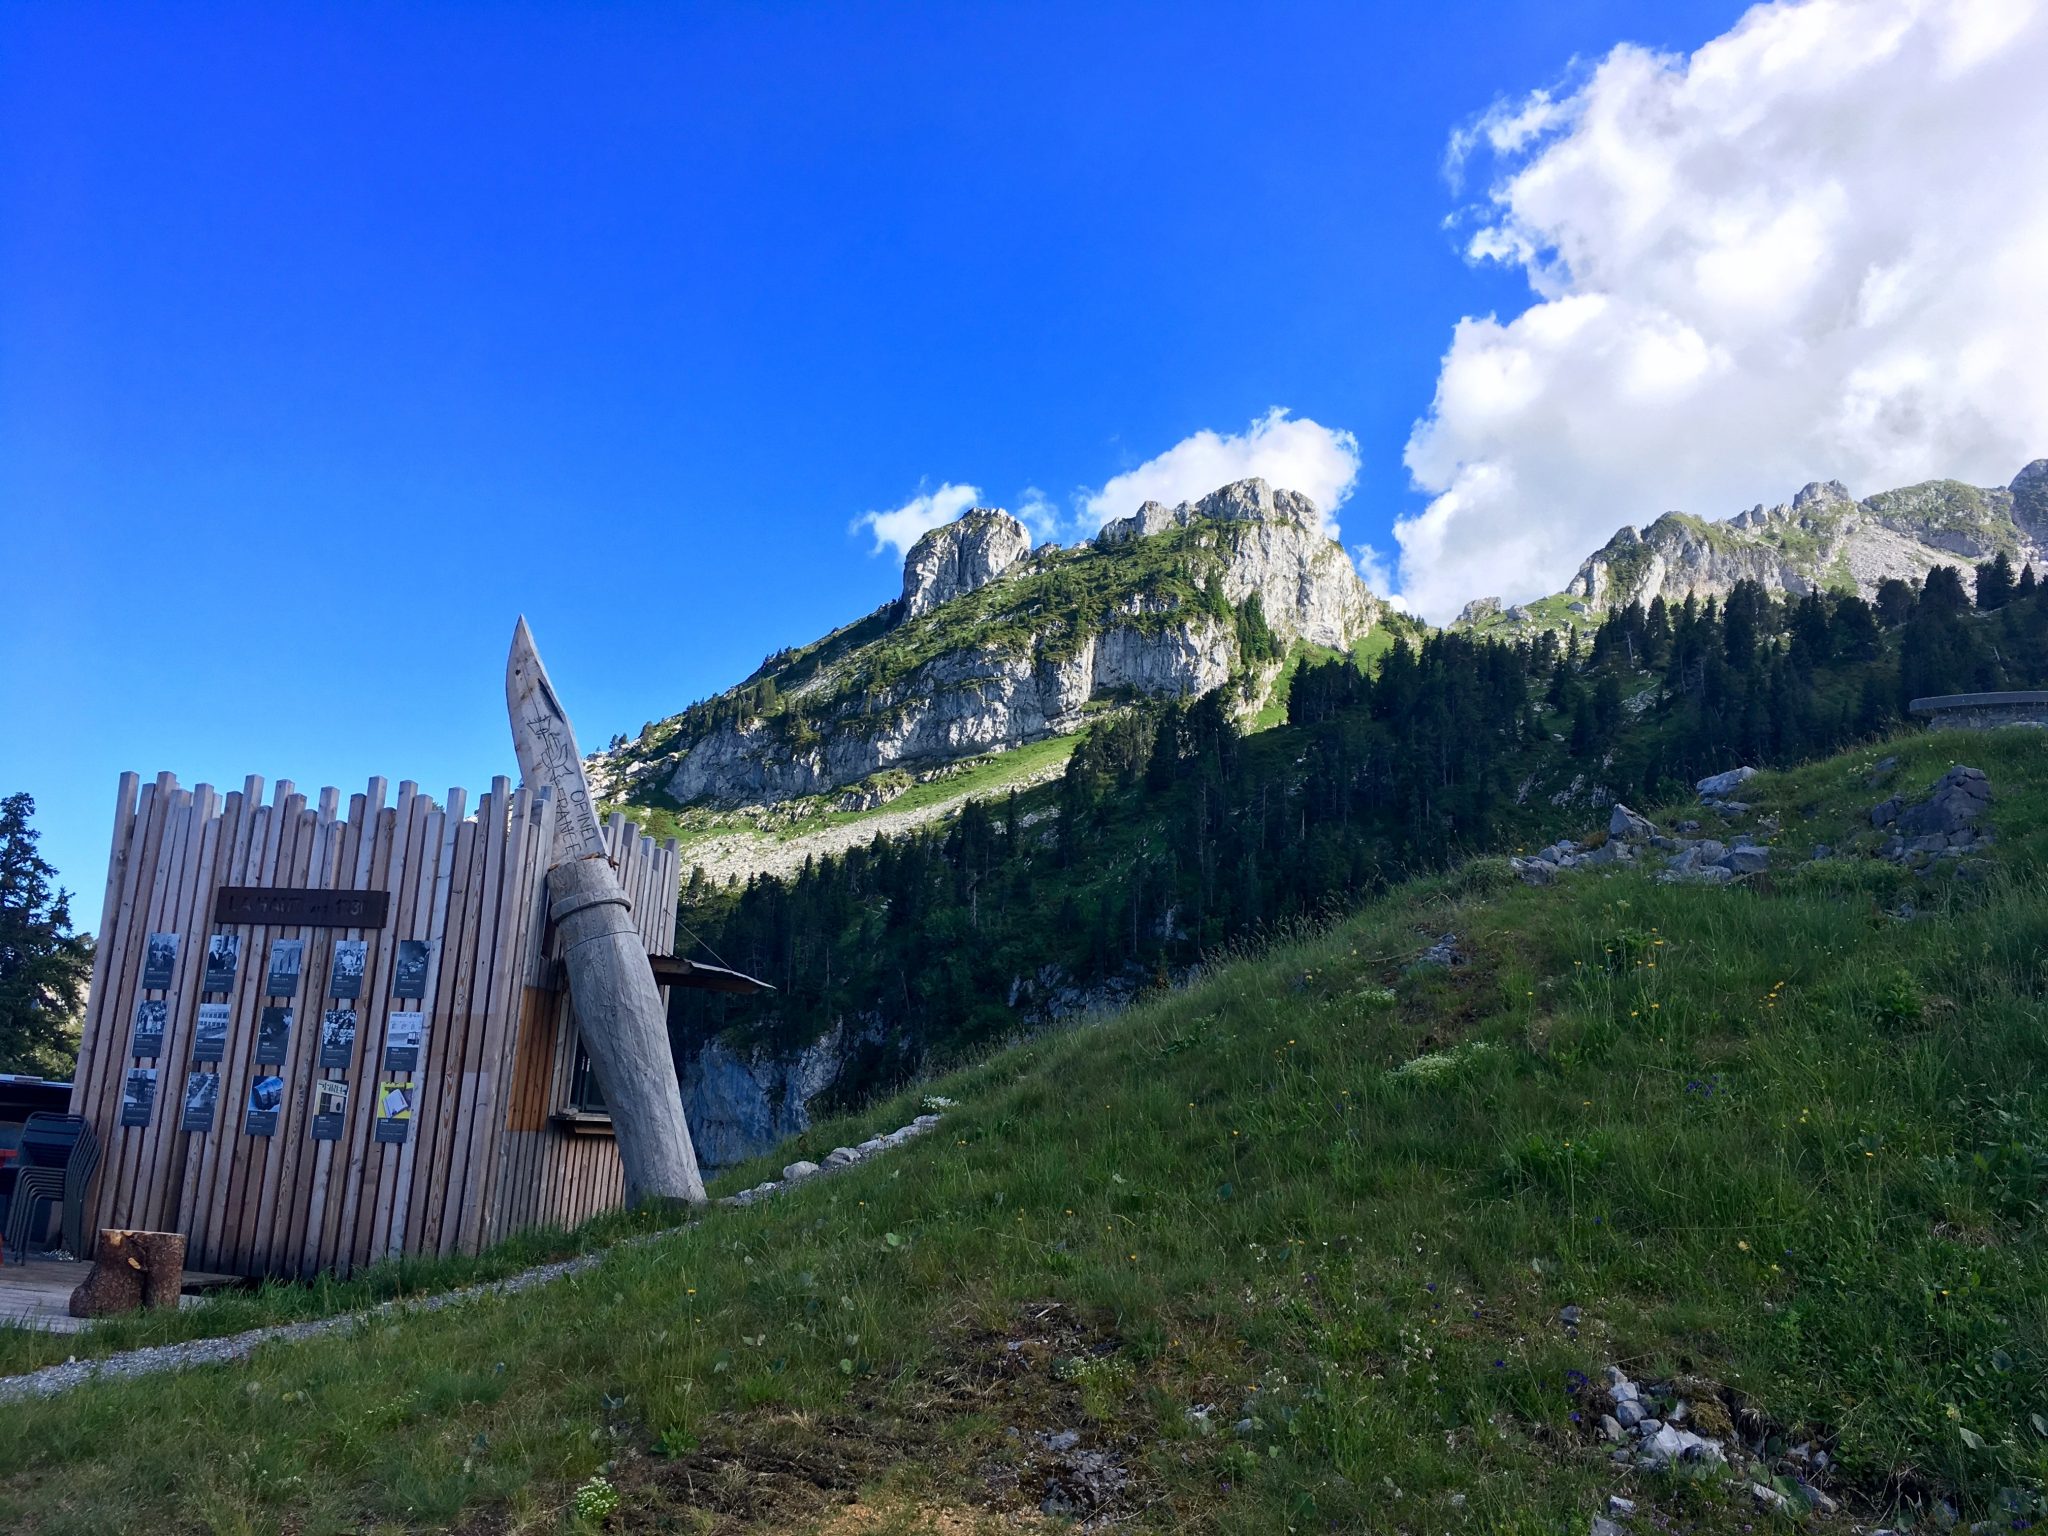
point(903, 526)
point(1816, 248)
point(1288, 452)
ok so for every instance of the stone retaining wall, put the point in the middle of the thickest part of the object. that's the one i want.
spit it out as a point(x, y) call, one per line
point(1982, 711)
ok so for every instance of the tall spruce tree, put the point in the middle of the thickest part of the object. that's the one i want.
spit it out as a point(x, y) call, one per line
point(1995, 583)
point(44, 966)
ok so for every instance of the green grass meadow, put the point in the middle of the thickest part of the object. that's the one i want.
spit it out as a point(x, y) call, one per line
point(1790, 1137)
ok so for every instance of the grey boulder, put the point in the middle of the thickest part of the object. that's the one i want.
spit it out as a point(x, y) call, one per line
point(1626, 823)
point(1717, 784)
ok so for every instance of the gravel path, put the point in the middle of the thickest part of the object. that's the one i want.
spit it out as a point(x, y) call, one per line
point(54, 1379)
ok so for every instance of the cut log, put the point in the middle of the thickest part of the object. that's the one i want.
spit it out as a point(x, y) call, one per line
point(163, 1266)
point(131, 1269)
point(115, 1284)
point(618, 1009)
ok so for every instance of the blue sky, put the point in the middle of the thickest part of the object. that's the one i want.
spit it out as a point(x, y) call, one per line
point(334, 337)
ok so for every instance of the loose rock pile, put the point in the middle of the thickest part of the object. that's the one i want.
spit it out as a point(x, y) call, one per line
point(1685, 1422)
point(1633, 840)
point(1649, 1425)
point(1943, 824)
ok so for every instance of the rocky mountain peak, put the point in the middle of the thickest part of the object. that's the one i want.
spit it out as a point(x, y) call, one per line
point(965, 554)
point(2030, 494)
point(1817, 494)
point(1824, 538)
point(1243, 501)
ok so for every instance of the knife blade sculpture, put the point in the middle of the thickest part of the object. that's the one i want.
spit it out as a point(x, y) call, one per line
point(618, 1009)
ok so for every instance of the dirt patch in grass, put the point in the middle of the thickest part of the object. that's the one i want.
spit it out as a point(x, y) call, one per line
point(775, 1473)
point(1055, 1402)
point(1005, 1426)
point(910, 1518)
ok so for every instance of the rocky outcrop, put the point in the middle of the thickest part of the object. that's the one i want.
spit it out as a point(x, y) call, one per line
point(966, 554)
point(1943, 824)
point(993, 647)
point(741, 1102)
point(961, 704)
point(1824, 538)
point(1275, 547)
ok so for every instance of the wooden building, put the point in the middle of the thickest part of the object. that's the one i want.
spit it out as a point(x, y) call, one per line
point(405, 1081)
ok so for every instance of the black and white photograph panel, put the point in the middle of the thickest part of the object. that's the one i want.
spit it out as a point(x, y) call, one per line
point(337, 1037)
point(202, 1098)
point(402, 1038)
point(409, 976)
point(350, 957)
point(152, 1017)
point(223, 959)
point(274, 1035)
point(138, 1096)
point(210, 1032)
point(160, 963)
point(286, 957)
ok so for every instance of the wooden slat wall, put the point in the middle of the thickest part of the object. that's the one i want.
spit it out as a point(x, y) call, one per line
point(482, 1157)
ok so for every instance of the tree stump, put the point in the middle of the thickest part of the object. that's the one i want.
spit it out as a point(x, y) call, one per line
point(131, 1270)
point(163, 1266)
point(115, 1284)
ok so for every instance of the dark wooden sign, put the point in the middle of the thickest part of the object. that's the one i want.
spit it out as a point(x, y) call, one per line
point(282, 907)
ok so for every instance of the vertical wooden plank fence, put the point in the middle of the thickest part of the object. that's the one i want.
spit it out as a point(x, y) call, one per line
point(494, 1143)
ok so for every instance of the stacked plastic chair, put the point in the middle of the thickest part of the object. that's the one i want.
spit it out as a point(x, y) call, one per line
point(55, 1164)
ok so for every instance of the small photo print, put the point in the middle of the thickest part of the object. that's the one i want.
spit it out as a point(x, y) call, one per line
point(160, 963)
point(402, 1039)
point(210, 1033)
point(286, 956)
point(138, 1096)
point(337, 1037)
point(223, 957)
point(330, 1108)
point(394, 1110)
point(350, 956)
point(266, 1099)
point(202, 1098)
point(274, 1035)
point(152, 1016)
point(409, 976)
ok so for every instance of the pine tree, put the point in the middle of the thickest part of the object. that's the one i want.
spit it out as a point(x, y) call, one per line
point(1894, 602)
point(1995, 583)
point(1943, 591)
point(44, 966)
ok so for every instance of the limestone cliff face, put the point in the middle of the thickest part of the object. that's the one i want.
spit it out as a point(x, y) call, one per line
point(1277, 548)
point(741, 1102)
point(993, 646)
point(967, 553)
point(1823, 539)
point(960, 704)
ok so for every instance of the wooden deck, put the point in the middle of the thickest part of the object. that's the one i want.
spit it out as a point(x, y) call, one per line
point(37, 1294)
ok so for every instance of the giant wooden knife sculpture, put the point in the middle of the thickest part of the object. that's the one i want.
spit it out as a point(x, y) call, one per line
point(624, 1026)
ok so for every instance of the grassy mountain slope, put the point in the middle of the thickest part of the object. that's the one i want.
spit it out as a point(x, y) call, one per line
point(1791, 1137)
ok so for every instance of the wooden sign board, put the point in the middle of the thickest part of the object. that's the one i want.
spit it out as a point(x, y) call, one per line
point(288, 908)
